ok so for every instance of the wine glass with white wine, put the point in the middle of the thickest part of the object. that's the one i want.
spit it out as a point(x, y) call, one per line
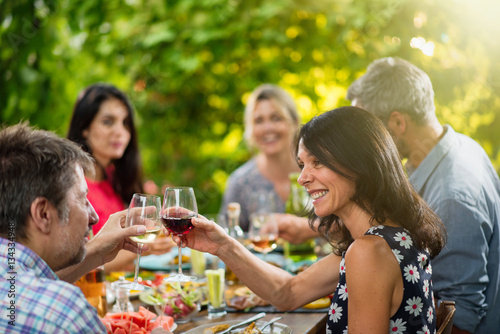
point(143, 210)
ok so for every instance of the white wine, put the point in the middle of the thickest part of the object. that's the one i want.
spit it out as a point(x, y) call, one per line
point(147, 237)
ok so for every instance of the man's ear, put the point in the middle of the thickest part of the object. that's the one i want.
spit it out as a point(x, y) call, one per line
point(43, 214)
point(397, 124)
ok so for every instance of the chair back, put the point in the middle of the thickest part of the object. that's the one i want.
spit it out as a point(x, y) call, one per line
point(444, 316)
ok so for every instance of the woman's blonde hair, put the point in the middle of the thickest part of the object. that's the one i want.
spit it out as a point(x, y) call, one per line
point(279, 97)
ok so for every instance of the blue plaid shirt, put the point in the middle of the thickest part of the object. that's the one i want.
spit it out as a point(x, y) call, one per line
point(34, 300)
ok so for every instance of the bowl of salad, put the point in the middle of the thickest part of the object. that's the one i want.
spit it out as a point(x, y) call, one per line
point(177, 300)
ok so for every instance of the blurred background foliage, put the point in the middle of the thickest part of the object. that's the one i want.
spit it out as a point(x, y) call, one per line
point(189, 66)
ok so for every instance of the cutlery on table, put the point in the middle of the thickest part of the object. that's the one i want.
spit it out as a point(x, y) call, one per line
point(272, 321)
point(249, 320)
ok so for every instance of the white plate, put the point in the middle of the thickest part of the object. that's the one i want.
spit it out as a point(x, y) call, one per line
point(276, 328)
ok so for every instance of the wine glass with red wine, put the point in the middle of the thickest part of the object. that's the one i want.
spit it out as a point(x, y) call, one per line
point(179, 206)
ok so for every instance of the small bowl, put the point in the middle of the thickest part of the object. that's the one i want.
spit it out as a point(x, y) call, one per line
point(180, 306)
point(180, 302)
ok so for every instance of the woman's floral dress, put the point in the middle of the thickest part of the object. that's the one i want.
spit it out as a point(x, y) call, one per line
point(416, 313)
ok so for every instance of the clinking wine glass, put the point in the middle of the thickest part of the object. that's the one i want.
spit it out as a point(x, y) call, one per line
point(179, 206)
point(143, 210)
point(263, 232)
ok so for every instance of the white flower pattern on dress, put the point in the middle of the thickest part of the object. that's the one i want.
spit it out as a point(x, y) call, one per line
point(373, 230)
point(428, 270)
point(414, 306)
point(422, 260)
point(411, 273)
point(397, 327)
point(412, 315)
point(335, 312)
point(343, 292)
point(342, 266)
point(426, 288)
point(425, 330)
point(404, 239)
point(398, 255)
point(430, 315)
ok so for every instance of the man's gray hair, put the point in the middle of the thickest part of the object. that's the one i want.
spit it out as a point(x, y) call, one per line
point(393, 84)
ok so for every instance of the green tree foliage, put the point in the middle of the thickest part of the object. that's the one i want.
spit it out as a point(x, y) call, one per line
point(189, 65)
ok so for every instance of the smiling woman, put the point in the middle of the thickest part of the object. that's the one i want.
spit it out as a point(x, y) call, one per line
point(271, 122)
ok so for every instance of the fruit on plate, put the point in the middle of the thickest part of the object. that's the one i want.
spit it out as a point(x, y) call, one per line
point(141, 322)
point(319, 303)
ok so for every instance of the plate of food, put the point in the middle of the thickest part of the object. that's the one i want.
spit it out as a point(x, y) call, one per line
point(178, 301)
point(242, 298)
point(253, 328)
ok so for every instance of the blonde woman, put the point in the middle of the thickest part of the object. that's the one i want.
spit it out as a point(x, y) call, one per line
point(271, 123)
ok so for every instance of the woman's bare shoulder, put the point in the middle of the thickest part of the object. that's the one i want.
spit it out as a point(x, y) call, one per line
point(370, 251)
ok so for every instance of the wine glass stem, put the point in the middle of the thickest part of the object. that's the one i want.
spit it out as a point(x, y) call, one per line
point(180, 259)
point(139, 250)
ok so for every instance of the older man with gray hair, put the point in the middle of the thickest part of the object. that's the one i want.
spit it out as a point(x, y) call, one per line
point(455, 176)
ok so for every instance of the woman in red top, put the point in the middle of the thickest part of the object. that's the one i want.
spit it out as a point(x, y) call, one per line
point(103, 124)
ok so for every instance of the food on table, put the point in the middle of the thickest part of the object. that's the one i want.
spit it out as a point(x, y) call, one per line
point(319, 303)
point(180, 301)
point(216, 329)
point(185, 259)
point(244, 299)
point(143, 321)
point(250, 329)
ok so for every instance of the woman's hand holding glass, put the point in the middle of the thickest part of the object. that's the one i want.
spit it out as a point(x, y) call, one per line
point(143, 210)
point(179, 207)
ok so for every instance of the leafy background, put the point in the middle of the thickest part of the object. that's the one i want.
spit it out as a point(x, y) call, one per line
point(189, 66)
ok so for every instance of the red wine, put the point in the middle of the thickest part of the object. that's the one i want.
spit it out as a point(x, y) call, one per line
point(176, 225)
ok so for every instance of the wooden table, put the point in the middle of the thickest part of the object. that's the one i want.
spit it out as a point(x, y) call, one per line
point(300, 323)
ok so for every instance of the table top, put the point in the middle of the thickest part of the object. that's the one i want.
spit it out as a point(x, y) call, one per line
point(307, 323)
point(299, 323)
